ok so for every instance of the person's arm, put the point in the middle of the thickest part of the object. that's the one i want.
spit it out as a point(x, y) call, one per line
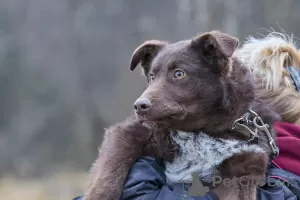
point(147, 181)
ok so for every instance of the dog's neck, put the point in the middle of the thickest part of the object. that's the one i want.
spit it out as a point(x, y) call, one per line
point(215, 125)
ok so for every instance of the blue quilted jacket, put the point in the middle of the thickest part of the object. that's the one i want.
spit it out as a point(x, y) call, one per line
point(147, 181)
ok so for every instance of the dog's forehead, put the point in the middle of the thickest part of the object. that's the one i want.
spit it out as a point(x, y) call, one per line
point(178, 46)
point(172, 53)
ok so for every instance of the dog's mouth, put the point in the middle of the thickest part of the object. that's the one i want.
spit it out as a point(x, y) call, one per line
point(158, 119)
point(162, 116)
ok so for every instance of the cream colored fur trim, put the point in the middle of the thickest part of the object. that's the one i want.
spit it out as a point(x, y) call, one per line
point(268, 57)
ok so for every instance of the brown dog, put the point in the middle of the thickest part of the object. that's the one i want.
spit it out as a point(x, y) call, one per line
point(197, 92)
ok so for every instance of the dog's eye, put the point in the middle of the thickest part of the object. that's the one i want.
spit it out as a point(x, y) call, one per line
point(179, 74)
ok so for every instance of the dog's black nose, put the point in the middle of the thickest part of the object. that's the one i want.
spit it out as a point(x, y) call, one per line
point(141, 104)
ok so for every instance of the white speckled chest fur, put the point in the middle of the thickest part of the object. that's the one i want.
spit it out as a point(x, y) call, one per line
point(202, 154)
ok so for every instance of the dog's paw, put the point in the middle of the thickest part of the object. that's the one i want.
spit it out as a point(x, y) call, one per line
point(243, 164)
point(130, 130)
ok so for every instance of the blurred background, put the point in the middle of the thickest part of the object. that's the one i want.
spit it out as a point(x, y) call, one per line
point(64, 76)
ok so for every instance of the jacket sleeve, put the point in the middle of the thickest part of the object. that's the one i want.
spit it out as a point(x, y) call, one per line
point(147, 181)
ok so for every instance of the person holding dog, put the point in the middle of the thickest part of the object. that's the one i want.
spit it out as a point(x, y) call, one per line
point(274, 62)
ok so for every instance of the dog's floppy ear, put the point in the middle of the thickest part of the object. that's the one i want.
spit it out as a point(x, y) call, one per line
point(145, 53)
point(216, 44)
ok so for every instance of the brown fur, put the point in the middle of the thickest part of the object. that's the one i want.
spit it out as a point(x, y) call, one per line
point(214, 91)
point(123, 144)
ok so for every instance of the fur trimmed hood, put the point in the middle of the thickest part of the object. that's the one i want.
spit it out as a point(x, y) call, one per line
point(269, 57)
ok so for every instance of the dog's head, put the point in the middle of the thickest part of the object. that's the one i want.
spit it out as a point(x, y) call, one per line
point(190, 83)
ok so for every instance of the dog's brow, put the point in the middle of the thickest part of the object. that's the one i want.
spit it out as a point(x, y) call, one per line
point(171, 64)
point(159, 65)
point(172, 67)
point(178, 64)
